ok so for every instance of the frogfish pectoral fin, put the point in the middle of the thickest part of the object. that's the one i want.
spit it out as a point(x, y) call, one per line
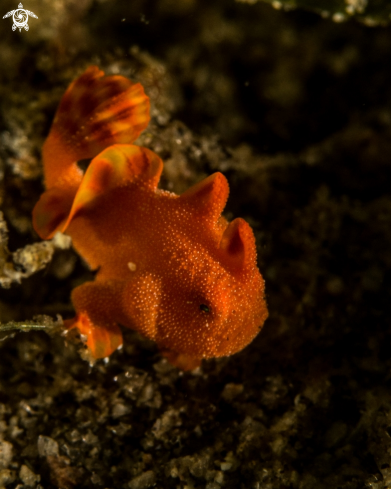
point(101, 340)
point(94, 319)
point(181, 360)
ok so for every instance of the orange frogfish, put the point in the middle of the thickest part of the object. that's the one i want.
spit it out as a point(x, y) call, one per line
point(168, 266)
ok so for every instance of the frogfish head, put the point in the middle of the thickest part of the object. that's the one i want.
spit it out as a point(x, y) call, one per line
point(215, 305)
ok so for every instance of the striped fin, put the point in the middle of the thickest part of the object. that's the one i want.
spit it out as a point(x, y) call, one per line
point(51, 212)
point(97, 111)
point(116, 167)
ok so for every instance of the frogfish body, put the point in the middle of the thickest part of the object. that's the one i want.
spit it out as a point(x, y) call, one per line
point(169, 266)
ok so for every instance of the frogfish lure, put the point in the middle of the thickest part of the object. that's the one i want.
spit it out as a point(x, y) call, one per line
point(169, 266)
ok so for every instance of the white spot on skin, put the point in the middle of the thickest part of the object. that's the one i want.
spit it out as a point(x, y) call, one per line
point(132, 266)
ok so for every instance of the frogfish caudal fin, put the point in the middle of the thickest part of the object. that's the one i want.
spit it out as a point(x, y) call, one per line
point(95, 112)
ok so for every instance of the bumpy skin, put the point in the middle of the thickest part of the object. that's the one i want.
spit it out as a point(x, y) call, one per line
point(169, 266)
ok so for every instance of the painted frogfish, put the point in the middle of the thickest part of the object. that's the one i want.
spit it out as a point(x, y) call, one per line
point(168, 266)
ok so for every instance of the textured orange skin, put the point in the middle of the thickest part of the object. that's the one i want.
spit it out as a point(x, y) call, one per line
point(170, 267)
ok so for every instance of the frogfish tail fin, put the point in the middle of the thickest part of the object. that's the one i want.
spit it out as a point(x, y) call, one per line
point(95, 112)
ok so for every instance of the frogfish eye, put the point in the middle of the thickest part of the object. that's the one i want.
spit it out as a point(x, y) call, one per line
point(204, 308)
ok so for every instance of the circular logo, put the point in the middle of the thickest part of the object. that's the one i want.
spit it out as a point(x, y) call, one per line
point(20, 19)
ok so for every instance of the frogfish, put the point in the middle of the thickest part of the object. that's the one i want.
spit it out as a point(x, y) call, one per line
point(167, 266)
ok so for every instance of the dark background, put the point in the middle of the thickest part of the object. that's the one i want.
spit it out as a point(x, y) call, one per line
point(295, 110)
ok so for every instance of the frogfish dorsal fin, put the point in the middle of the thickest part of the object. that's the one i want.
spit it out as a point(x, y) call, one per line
point(118, 166)
point(209, 196)
point(238, 245)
